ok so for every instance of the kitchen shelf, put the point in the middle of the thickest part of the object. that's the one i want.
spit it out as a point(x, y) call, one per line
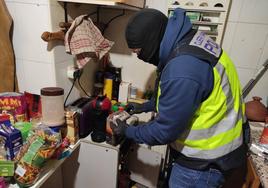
point(200, 9)
point(206, 23)
point(205, 13)
point(211, 33)
point(126, 4)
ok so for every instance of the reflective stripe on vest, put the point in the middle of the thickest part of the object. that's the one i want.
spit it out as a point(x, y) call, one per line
point(217, 125)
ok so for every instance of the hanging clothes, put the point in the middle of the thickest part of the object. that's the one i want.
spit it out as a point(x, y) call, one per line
point(85, 40)
point(7, 62)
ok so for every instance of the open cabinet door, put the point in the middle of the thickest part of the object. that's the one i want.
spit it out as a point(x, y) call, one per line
point(7, 62)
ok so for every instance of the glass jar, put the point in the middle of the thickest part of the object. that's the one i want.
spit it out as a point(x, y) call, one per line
point(52, 99)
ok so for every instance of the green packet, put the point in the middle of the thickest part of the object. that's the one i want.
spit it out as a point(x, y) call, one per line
point(32, 151)
point(7, 168)
point(24, 128)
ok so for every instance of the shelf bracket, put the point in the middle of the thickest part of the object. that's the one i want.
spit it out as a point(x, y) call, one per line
point(98, 16)
point(113, 18)
point(65, 12)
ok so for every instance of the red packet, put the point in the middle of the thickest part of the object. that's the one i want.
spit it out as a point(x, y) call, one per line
point(264, 136)
point(33, 102)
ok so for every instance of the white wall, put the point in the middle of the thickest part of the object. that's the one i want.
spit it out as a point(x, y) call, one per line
point(41, 64)
point(34, 62)
point(246, 41)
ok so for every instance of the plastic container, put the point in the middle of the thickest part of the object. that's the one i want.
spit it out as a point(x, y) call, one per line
point(108, 87)
point(133, 92)
point(52, 99)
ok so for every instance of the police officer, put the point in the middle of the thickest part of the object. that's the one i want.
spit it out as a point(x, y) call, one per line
point(200, 111)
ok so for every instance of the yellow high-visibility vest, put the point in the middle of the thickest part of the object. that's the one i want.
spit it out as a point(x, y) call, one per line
point(216, 127)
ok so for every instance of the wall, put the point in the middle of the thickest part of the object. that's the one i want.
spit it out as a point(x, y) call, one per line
point(246, 41)
point(34, 67)
point(41, 64)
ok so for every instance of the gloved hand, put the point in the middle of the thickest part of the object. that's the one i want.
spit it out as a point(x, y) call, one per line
point(134, 108)
point(120, 128)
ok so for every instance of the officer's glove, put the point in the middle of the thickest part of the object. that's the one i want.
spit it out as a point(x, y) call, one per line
point(134, 108)
point(120, 128)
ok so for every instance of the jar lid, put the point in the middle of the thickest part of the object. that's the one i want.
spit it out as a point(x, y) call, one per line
point(52, 91)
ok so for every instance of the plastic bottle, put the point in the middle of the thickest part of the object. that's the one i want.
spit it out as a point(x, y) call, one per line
point(108, 87)
point(116, 83)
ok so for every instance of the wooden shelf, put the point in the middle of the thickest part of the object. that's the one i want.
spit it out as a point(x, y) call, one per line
point(206, 23)
point(127, 4)
point(111, 3)
point(197, 9)
point(211, 33)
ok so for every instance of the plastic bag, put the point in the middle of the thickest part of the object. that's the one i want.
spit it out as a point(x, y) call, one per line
point(40, 147)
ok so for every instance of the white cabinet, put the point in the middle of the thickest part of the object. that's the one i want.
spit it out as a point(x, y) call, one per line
point(144, 165)
point(209, 16)
point(92, 165)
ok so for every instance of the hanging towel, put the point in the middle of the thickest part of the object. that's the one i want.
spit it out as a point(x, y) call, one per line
point(85, 40)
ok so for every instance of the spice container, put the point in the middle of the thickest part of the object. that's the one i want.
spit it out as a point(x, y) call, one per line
point(52, 99)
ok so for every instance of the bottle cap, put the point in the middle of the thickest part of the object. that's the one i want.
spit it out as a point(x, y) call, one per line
point(114, 108)
point(121, 108)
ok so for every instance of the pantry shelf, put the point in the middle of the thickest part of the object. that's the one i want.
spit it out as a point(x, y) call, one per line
point(205, 15)
point(206, 23)
point(200, 9)
point(124, 4)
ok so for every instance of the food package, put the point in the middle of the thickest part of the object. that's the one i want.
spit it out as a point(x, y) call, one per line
point(14, 105)
point(3, 152)
point(6, 168)
point(33, 102)
point(26, 175)
point(24, 128)
point(264, 136)
point(72, 126)
point(40, 147)
point(12, 137)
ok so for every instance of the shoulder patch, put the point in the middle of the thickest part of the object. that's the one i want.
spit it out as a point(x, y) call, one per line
point(201, 40)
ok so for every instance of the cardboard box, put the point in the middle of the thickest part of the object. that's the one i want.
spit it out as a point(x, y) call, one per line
point(124, 90)
point(72, 126)
point(13, 138)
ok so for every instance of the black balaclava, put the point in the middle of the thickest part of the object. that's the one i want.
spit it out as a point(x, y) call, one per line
point(145, 30)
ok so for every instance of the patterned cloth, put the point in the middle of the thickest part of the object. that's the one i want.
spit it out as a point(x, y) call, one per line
point(85, 40)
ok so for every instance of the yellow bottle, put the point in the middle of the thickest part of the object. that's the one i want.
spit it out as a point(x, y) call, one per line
point(108, 87)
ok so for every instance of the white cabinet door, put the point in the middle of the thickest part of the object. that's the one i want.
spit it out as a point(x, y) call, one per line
point(91, 166)
point(144, 165)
